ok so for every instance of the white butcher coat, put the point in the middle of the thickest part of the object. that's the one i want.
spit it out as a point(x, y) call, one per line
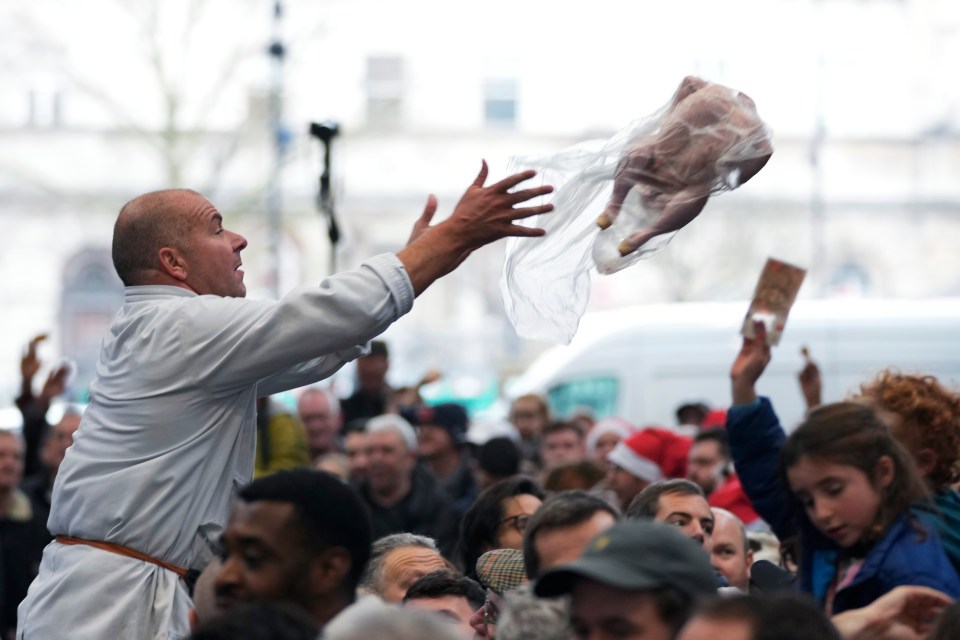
point(169, 435)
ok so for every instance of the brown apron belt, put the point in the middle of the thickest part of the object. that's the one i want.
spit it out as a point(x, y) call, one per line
point(123, 551)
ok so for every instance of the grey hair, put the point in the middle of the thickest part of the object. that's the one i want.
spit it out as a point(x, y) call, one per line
point(370, 618)
point(332, 400)
point(393, 422)
point(527, 617)
point(372, 580)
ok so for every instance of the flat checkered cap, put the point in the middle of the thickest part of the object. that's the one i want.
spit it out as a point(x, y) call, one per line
point(501, 570)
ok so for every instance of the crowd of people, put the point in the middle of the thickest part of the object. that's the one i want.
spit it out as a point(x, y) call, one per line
point(185, 503)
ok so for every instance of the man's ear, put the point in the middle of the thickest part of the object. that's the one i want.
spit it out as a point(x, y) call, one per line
point(172, 263)
point(329, 569)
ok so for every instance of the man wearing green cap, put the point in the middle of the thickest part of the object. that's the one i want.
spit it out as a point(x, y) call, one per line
point(638, 580)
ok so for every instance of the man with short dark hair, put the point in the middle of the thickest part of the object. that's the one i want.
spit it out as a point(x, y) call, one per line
point(441, 438)
point(679, 503)
point(562, 441)
point(448, 594)
point(639, 578)
point(561, 528)
point(710, 466)
point(784, 616)
point(301, 537)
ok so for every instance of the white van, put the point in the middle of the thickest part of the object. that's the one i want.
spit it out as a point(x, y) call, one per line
point(642, 362)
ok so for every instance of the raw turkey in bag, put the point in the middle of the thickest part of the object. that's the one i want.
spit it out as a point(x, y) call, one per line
point(622, 200)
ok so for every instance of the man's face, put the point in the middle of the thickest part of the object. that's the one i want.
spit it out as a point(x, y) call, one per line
point(560, 545)
point(704, 465)
point(700, 628)
point(355, 445)
point(690, 513)
point(434, 440)
point(55, 447)
point(562, 446)
point(11, 461)
point(527, 416)
point(320, 421)
point(600, 612)
point(262, 560)
point(212, 253)
point(404, 566)
point(371, 372)
point(388, 459)
point(625, 485)
point(456, 609)
point(729, 554)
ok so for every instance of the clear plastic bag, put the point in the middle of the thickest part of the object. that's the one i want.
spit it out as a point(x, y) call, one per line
point(622, 200)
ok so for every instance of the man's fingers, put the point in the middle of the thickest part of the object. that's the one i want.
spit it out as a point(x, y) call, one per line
point(511, 181)
point(482, 176)
point(526, 212)
point(428, 210)
point(528, 194)
point(525, 232)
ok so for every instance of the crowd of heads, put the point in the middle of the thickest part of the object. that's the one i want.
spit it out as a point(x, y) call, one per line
point(405, 526)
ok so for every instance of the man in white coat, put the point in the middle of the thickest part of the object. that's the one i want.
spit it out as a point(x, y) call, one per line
point(169, 433)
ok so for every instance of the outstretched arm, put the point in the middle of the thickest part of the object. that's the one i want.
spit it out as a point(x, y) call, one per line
point(483, 215)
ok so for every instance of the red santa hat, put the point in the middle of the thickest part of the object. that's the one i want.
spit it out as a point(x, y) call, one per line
point(652, 454)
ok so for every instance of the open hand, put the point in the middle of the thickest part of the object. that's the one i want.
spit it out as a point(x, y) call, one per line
point(749, 365)
point(486, 214)
point(30, 363)
point(905, 613)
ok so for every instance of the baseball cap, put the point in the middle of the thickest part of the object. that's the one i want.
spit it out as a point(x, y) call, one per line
point(636, 555)
point(450, 416)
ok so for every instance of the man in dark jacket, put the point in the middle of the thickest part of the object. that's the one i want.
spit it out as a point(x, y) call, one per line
point(402, 496)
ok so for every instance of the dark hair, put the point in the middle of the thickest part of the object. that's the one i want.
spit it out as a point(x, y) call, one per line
point(581, 474)
point(145, 225)
point(698, 410)
point(852, 434)
point(556, 426)
point(499, 457)
point(948, 624)
point(260, 621)
point(778, 616)
point(930, 418)
point(328, 511)
point(565, 509)
point(717, 435)
point(480, 523)
point(444, 582)
point(647, 502)
point(673, 606)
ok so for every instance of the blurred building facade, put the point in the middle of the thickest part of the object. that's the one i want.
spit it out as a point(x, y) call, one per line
point(111, 99)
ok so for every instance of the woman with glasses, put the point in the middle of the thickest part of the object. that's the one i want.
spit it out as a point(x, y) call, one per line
point(497, 520)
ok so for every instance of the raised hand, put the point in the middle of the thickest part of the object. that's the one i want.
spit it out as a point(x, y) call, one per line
point(30, 363)
point(810, 384)
point(56, 382)
point(749, 365)
point(486, 214)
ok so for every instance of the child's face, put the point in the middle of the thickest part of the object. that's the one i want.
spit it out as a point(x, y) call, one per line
point(839, 499)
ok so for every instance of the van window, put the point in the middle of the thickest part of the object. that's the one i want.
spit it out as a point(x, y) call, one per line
point(597, 394)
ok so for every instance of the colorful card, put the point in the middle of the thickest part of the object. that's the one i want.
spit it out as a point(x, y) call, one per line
point(775, 293)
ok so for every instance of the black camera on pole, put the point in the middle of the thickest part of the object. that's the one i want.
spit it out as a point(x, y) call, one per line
point(326, 131)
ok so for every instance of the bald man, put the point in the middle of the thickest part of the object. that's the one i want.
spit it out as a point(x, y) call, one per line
point(144, 492)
